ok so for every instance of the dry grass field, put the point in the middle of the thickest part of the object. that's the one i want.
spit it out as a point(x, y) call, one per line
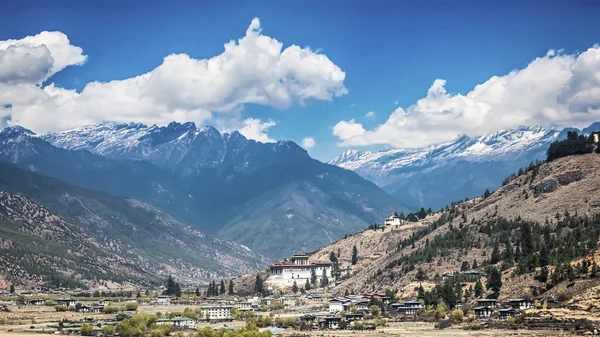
point(20, 320)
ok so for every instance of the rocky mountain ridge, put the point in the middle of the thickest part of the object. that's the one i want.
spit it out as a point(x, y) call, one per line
point(436, 175)
point(222, 184)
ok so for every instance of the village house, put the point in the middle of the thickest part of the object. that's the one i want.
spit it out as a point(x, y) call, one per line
point(446, 276)
point(487, 302)
point(289, 300)
point(505, 313)
point(299, 270)
point(37, 301)
point(69, 302)
point(337, 304)
point(483, 312)
point(162, 300)
point(331, 322)
point(178, 322)
point(217, 312)
point(472, 274)
point(97, 309)
point(350, 317)
point(520, 303)
point(408, 307)
point(82, 308)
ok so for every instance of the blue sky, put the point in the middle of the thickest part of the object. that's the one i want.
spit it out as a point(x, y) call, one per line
point(390, 51)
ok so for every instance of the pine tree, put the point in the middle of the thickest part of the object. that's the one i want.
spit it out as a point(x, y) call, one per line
point(464, 266)
point(197, 291)
point(486, 194)
point(170, 286)
point(230, 292)
point(177, 290)
point(354, 255)
point(495, 255)
point(509, 254)
point(478, 289)
point(495, 282)
point(544, 256)
point(526, 239)
point(313, 277)
point(222, 288)
point(307, 285)
point(295, 287)
point(12, 288)
point(324, 279)
point(258, 284)
point(474, 265)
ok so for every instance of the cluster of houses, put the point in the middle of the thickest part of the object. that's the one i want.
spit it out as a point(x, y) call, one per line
point(487, 307)
point(361, 302)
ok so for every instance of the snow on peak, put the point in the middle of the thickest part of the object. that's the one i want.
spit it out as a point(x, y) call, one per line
point(497, 145)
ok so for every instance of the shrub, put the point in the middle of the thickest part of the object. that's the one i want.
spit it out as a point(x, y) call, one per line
point(61, 308)
point(511, 320)
point(108, 330)
point(86, 329)
point(475, 326)
point(457, 315)
point(443, 324)
point(131, 306)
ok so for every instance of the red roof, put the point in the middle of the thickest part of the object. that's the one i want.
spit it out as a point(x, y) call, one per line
point(291, 264)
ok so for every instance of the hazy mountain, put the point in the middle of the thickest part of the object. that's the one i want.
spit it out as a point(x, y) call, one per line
point(133, 230)
point(223, 184)
point(437, 175)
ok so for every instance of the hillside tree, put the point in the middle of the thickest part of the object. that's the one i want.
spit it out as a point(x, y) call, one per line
point(354, 255)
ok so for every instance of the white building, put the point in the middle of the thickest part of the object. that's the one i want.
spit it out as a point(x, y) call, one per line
point(337, 305)
point(393, 219)
point(179, 322)
point(162, 300)
point(289, 300)
point(299, 270)
point(244, 306)
point(217, 312)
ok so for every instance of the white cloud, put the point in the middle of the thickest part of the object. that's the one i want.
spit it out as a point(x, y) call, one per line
point(34, 59)
point(370, 115)
point(308, 143)
point(255, 69)
point(255, 129)
point(553, 90)
point(396, 102)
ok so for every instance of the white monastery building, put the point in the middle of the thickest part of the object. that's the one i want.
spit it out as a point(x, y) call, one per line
point(393, 219)
point(298, 269)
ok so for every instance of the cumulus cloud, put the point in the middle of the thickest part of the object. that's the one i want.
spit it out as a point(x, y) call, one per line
point(34, 59)
point(370, 115)
point(308, 143)
point(554, 90)
point(255, 69)
point(256, 129)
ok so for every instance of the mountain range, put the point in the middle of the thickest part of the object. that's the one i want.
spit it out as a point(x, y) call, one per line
point(270, 197)
point(436, 175)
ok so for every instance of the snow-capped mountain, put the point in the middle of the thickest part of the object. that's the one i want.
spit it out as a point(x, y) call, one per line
point(436, 175)
point(176, 146)
point(271, 197)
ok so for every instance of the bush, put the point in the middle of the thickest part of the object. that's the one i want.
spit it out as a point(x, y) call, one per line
point(475, 326)
point(443, 324)
point(457, 315)
point(111, 310)
point(86, 329)
point(61, 308)
point(108, 330)
point(131, 306)
point(511, 320)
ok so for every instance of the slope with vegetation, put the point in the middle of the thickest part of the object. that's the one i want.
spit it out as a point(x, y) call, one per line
point(537, 236)
point(38, 247)
point(133, 230)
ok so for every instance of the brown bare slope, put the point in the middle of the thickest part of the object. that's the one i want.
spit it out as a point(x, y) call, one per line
point(570, 183)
